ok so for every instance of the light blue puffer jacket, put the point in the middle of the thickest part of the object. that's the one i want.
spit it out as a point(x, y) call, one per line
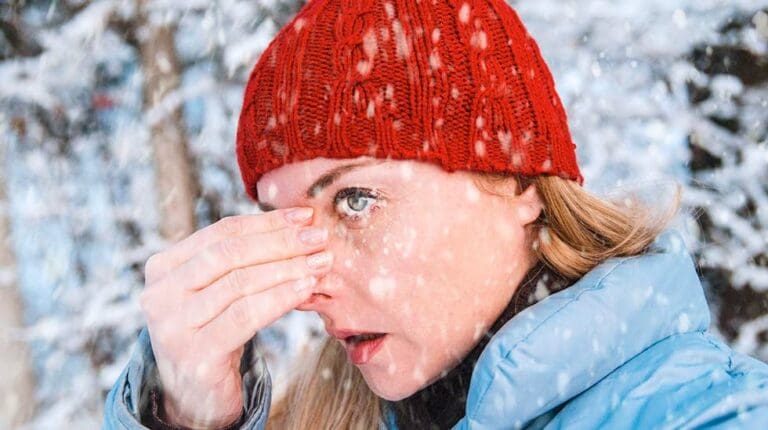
point(625, 347)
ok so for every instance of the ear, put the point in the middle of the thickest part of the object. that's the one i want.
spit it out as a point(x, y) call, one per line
point(529, 205)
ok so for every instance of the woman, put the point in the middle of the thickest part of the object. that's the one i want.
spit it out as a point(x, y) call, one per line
point(421, 194)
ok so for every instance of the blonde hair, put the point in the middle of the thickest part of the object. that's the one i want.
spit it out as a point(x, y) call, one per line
point(575, 232)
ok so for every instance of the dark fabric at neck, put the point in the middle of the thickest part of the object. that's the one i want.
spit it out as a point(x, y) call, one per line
point(442, 404)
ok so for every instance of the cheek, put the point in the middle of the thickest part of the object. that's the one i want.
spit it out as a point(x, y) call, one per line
point(454, 275)
point(377, 260)
point(388, 243)
point(417, 267)
point(419, 270)
point(390, 265)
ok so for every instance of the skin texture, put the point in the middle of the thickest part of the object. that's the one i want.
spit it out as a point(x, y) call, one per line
point(432, 260)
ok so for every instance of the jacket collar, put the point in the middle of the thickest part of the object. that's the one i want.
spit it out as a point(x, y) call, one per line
point(562, 345)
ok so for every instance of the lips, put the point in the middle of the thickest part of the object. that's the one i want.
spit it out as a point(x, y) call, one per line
point(360, 346)
point(361, 350)
point(353, 340)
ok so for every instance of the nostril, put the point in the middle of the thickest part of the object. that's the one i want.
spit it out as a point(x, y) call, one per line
point(314, 299)
point(319, 296)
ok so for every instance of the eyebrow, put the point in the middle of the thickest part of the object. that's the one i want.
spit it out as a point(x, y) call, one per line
point(325, 180)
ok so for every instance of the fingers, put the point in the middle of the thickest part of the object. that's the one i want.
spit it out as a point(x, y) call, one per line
point(222, 257)
point(158, 265)
point(243, 318)
point(228, 280)
point(206, 304)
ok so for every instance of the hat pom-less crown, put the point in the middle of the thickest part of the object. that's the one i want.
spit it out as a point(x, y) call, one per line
point(457, 83)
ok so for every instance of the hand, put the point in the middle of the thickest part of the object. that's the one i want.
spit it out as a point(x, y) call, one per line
point(208, 294)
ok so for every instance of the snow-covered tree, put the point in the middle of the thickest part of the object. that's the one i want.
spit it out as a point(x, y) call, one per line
point(17, 383)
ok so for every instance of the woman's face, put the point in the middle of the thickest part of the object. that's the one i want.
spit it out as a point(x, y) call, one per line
point(420, 254)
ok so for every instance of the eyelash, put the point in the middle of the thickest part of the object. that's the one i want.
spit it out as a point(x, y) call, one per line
point(366, 193)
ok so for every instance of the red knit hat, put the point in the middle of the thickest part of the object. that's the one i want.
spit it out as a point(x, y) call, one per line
point(458, 83)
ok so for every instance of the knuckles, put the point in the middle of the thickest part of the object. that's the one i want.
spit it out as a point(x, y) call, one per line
point(147, 302)
point(240, 312)
point(230, 250)
point(275, 219)
point(288, 239)
point(231, 226)
point(152, 268)
point(235, 281)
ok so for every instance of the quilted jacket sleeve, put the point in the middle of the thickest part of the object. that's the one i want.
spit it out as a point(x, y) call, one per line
point(130, 394)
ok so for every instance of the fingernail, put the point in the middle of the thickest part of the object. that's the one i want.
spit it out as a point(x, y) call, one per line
point(298, 215)
point(303, 284)
point(313, 235)
point(320, 260)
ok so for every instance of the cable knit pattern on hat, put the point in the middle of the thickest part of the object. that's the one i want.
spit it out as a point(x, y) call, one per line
point(453, 82)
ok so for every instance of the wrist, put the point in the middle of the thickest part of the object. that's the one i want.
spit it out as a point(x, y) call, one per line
point(213, 415)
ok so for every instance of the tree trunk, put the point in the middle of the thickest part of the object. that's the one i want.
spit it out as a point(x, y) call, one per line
point(176, 183)
point(17, 383)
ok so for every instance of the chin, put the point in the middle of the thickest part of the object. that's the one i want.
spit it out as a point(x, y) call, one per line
point(387, 387)
point(391, 396)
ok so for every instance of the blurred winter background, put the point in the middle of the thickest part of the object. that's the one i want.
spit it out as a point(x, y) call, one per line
point(117, 122)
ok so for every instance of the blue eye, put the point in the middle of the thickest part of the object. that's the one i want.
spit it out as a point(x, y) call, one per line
point(353, 202)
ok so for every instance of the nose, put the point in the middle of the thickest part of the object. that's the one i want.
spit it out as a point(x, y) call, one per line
point(330, 285)
point(313, 303)
point(323, 294)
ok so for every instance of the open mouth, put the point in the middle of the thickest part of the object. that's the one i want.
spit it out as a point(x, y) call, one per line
point(354, 340)
point(361, 348)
